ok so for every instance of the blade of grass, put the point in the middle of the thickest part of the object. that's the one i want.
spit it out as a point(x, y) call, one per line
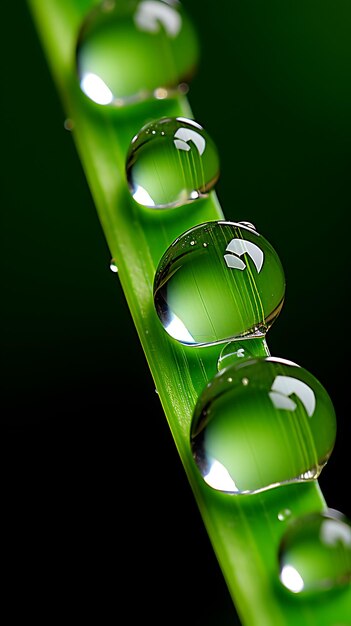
point(244, 532)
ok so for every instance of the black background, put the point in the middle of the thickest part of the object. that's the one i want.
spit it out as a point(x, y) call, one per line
point(93, 491)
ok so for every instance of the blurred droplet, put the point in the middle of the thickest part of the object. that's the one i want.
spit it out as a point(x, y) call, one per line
point(315, 553)
point(68, 124)
point(132, 50)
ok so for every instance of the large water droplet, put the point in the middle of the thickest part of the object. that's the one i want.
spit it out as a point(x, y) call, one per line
point(315, 553)
point(170, 162)
point(131, 50)
point(218, 281)
point(262, 423)
point(68, 124)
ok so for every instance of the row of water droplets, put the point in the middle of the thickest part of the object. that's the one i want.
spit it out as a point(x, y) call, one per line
point(262, 422)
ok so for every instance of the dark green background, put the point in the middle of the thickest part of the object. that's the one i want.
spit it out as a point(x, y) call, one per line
point(92, 484)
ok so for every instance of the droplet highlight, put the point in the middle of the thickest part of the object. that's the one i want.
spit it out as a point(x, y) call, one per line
point(260, 424)
point(171, 162)
point(283, 515)
point(217, 282)
point(248, 224)
point(132, 50)
point(113, 266)
point(315, 553)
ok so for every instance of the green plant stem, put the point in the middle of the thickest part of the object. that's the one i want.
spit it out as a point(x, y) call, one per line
point(244, 531)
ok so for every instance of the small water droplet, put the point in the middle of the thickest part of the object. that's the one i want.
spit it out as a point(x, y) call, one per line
point(113, 266)
point(262, 423)
point(68, 124)
point(161, 93)
point(231, 288)
point(171, 162)
point(108, 5)
point(132, 50)
point(315, 553)
point(235, 351)
point(183, 88)
point(284, 514)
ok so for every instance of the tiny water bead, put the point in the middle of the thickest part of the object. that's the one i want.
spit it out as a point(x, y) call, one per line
point(315, 553)
point(68, 124)
point(216, 282)
point(283, 515)
point(235, 351)
point(262, 423)
point(131, 50)
point(171, 162)
point(113, 266)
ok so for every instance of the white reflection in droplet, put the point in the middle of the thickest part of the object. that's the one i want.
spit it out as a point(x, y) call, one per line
point(177, 329)
point(194, 195)
point(219, 478)
point(291, 579)
point(288, 385)
point(282, 402)
point(184, 135)
point(151, 14)
point(95, 88)
point(113, 266)
point(332, 533)
point(241, 246)
point(141, 196)
point(283, 515)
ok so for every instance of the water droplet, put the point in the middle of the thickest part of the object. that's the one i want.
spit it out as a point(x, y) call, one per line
point(230, 288)
point(235, 351)
point(68, 124)
point(108, 5)
point(283, 515)
point(315, 553)
point(170, 162)
point(262, 423)
point(113, 266)
point(132, 50)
